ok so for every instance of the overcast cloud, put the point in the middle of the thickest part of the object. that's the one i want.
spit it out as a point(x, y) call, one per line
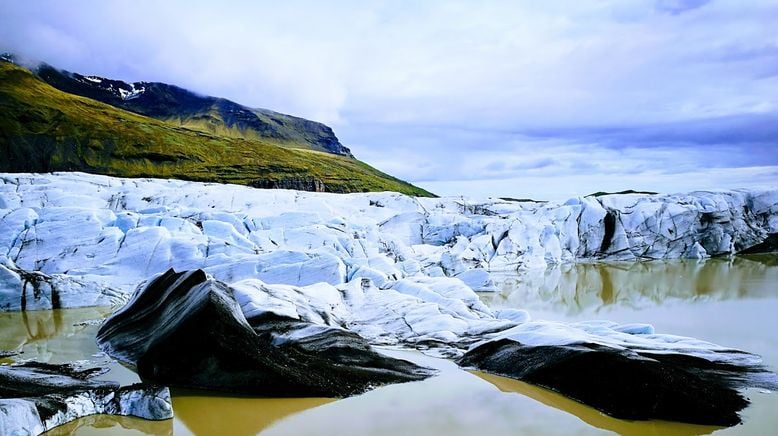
point(524, 99)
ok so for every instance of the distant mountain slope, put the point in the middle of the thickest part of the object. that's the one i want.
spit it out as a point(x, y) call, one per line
point(187, 109)
point(43, 129)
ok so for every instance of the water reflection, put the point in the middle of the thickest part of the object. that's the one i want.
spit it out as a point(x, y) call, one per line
point(592, 416)
point(591, 288)
point(50, 335)
point(59, 336)
point(110, 424)
point(210, 415)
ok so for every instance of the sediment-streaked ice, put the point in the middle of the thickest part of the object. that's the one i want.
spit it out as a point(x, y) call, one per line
point(116, 232)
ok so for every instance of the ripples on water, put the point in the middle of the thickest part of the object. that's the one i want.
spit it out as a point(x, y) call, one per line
point(729, 301)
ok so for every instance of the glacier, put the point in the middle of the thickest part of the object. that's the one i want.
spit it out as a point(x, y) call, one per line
point(117, 232)
point(394, 270)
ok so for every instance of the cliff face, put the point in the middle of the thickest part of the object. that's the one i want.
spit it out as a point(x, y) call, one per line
point(43, 129)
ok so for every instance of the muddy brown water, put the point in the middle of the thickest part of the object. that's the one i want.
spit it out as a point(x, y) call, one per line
point(732, 302)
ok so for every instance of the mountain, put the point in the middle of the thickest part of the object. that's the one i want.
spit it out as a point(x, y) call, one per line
point(184, 108)
point(45, 129)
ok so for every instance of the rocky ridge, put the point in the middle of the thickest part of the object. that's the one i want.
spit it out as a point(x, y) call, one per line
point(186, 108)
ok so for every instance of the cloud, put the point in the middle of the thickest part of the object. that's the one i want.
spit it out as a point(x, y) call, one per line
point(500, 64)
point(559, 164)
point(676, 7)
point(523, 164)
point(746, 129)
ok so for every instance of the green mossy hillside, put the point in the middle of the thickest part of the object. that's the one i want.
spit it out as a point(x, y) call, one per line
point(43, 129)
point(183, 108)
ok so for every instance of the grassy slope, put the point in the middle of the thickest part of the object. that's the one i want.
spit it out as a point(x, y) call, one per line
point(274, 128)
point(213, 122)
point(43, 129)
point(184, 108)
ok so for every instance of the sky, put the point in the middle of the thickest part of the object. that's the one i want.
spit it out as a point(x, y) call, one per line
point(523, 99)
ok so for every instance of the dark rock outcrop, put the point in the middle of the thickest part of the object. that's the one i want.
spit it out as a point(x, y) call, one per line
point(769, 245)
point(183, 329)
point(36, 397)
point(311, 184)
point(609, 228)
point(625, 383)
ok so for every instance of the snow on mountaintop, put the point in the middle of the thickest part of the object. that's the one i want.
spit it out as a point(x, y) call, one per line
point(132, 93)
point(123, 90)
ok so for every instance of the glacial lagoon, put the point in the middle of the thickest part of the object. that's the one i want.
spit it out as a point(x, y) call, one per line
point(730, 301)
